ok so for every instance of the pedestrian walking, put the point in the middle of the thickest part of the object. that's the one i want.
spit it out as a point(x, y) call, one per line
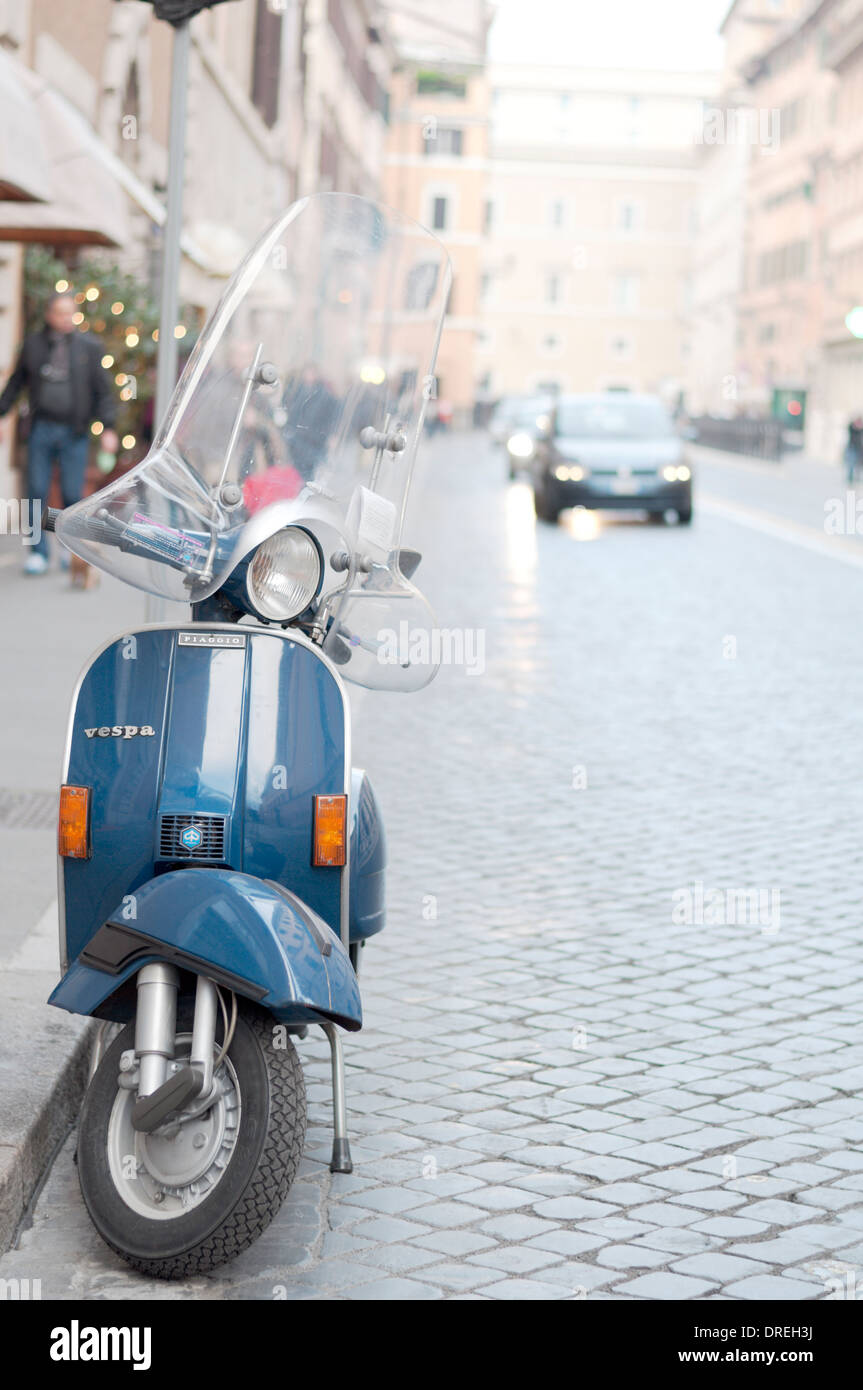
point(68, 389)
point(854, 449)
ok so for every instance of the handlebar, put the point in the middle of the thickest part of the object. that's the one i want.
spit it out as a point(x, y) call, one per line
point(104, 529)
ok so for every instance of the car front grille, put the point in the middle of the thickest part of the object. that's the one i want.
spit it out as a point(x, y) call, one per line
point(213, 833)
point(616, 473)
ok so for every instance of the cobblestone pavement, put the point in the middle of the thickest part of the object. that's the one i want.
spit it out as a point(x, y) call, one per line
point(612, 1045)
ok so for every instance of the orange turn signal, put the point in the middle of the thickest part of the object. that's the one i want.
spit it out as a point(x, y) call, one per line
point(73, 838)
point(331, 814)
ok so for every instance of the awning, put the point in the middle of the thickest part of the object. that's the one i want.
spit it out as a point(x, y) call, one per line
point(23, 165)
point(87, 205)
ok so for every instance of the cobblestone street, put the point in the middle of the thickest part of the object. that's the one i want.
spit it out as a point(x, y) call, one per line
point(612, 1043)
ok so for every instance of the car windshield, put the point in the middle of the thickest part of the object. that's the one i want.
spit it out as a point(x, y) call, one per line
point(613, 419)
point(528, 415)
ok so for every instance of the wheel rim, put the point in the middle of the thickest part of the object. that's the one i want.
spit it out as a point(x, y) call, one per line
point(166, 1174)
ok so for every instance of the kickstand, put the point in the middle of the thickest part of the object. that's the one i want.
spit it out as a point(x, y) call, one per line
point(341, 1159)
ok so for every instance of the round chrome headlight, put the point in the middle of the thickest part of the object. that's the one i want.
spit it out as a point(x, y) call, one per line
point(285, 574)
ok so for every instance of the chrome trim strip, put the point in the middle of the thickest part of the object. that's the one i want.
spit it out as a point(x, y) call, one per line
point(300, 639)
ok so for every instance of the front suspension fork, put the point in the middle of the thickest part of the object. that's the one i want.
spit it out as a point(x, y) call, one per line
point(161, 1093)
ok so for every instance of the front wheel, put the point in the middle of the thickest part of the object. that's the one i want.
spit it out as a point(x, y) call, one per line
point(198, 1190)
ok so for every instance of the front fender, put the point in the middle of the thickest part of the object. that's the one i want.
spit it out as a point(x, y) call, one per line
point(250, 935)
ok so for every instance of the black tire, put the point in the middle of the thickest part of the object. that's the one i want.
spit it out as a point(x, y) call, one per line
point(656, 518)
point(544, 509)
point(684, 516)
point(256, 1178)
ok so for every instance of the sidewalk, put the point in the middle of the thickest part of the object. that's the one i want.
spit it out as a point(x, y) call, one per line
point(47, 638)
point(797, 488)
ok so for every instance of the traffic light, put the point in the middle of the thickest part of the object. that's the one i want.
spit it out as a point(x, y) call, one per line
point(854, 321)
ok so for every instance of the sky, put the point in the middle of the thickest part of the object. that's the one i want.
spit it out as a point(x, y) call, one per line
point(666, 34)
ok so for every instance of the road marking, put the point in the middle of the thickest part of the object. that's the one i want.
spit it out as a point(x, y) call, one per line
point(849, 552)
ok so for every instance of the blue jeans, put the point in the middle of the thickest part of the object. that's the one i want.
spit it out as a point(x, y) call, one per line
point(52, 442)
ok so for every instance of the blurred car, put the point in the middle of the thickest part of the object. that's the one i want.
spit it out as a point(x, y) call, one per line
point(527, 425)
point(611, 451)
point(510, 410)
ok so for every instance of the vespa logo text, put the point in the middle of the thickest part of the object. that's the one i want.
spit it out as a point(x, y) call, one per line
point(122, 731)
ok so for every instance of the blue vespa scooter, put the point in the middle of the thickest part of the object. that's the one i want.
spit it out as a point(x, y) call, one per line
point(221, 862)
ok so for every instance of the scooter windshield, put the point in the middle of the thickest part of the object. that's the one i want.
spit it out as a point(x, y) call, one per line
point(305, 392)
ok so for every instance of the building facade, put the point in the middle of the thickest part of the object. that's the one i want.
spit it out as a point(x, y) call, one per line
point(284, 97)
point(837, 377)
point(779, 268)
point(732, 133)
point(781, 303)
point(586, 277)
point(436, 166)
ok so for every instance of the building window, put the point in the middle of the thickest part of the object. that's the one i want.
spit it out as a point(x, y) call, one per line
point(487, 216)
point(440, 214)
point(791, 118)
point(551, 344)
point(441, 84)
point(788, 262)
point(484, 285)
point(266, 61)
point(446, 140)
point(552, 289)
point(629, 217)
point(621, 347)
point(557, 213)
point(328, 162)
point(625, 293)
point(421, 284)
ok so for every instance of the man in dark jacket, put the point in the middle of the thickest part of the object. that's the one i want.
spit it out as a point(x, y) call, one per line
point(68, 389)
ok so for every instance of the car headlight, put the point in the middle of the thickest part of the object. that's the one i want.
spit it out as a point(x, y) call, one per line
point(679, 474)
point(520, 446)
point(569, 473)
point(285, 574)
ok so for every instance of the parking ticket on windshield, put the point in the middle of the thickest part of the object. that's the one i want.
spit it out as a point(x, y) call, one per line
point(372, 518)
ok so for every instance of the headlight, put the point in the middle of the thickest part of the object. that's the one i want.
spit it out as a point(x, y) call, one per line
point(676, 475)
point(285, 574)
point(520, 446)
point(569, 473)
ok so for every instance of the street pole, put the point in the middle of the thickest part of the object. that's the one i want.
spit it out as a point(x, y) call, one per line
point(166, 360)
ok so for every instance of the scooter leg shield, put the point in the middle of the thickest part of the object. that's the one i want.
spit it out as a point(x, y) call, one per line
point(251, 936)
